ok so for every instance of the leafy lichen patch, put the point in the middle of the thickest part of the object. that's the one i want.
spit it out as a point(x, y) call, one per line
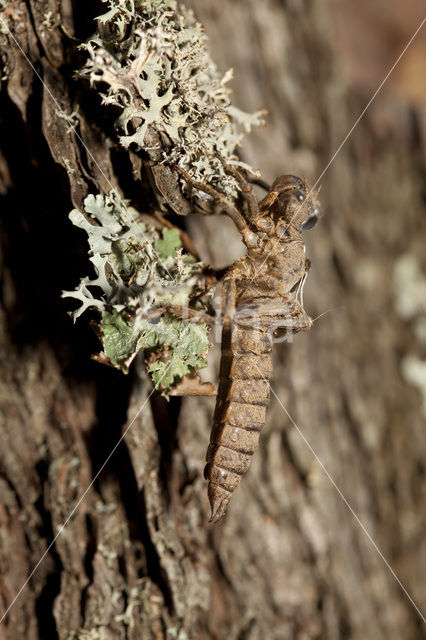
point(149, 59)
point(139, 269)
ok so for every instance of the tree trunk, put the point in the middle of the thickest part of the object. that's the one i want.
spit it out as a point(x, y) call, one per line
point(294, 557)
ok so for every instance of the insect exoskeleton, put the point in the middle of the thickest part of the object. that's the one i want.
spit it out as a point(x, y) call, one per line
point(259, 298)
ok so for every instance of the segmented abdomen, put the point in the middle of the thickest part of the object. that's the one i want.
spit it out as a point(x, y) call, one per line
point(240, 413)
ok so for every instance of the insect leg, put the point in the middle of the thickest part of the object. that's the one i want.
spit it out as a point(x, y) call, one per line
point(250, 239)
point(246, 189)
point(229, 294)
point(195, 315)
point(259, 182)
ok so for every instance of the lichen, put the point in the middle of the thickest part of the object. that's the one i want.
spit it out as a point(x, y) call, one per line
point(414, 372)
point(409, 281)
point(139, 269)
point(150, 59)
point(410, 293)
point(157, 69)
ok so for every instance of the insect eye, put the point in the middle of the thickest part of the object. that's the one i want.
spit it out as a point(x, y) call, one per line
point(310, 222)
point(301, 197)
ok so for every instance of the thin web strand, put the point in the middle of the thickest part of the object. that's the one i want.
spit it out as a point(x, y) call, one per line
point(61, 529)
point(82, 497)
point(345, 139)
point(359, 522)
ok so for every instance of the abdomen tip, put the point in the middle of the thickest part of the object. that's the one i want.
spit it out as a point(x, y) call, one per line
point(219, 500)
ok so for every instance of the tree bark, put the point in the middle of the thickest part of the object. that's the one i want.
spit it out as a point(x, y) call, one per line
point(137, 558)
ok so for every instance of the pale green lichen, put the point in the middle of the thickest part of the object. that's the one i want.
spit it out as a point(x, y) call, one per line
point(410, 293)
point(138, 269)
point(409, 282)
point(157, 69)
point(414, 372)
point(150, 59)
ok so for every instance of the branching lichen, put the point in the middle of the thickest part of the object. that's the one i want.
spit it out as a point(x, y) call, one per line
point(139, 269)
point(156, 68)
point(150, 59)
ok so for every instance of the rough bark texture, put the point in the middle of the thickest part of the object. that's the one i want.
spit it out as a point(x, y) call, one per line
point(138, 559)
